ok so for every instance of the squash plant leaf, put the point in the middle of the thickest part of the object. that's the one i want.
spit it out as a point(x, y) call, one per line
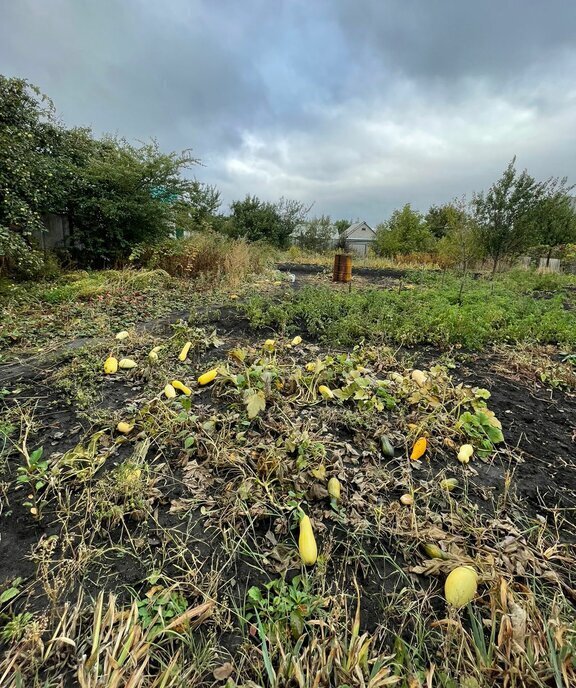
point(255, 402)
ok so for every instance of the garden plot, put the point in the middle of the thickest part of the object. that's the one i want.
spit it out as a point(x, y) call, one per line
point(151, 516)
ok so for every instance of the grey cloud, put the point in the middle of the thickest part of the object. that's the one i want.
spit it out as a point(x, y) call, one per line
point(452, 38)
point(359, 106)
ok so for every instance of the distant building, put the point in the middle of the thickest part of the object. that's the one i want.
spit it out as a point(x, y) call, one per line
point(359, 237)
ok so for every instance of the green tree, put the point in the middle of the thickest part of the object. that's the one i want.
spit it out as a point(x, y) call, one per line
point(258, 220)
point(505, 214)
point(197, 207)
point(125, 195)
point(555, 220)
point(439, 219)
point(459, 248)
point(114, 194)
point(30, 172)
point(317, 234)
point(405, 232)
point(342, 225)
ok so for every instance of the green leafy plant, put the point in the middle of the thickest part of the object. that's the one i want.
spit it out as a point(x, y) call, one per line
point(34, 476)
point(482, 429)
point(13, 628)
point(284, 607)
point(159, 608)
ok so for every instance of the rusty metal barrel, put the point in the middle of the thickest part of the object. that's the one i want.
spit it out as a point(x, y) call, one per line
point(342, 271)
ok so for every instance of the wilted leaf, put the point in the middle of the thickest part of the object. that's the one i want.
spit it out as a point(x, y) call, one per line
point(255, 402)
point(238, 354)
point(320, 472)
point(221, 673)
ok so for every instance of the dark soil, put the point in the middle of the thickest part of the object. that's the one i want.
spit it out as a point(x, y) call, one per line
point(542, 423)
point(373, 273)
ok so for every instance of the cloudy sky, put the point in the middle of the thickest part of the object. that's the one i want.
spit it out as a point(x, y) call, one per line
point(356, 105)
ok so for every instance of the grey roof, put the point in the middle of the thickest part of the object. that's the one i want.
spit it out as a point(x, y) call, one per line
point(356, 226)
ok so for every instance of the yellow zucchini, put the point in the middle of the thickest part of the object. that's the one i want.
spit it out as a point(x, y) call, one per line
point(206, 378)
point(307, 543)
point(181, 387)
point(184, 353)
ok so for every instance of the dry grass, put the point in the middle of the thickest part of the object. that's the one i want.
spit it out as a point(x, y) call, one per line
point(207, 255)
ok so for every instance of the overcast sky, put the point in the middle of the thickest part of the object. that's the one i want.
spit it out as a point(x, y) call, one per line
point(358, 106)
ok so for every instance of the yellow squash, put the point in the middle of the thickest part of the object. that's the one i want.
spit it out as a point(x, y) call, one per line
point(460, 586)
point(407, 499)
point(184, 353)
point(169, 391)
point(434, 552)
point(124, 427)
point(127, 364)
point(208, 377)
point(334, 488)
point(448, 484)
point(181, 387)
point(297, 340)
point(122, 335)
point(465, 453)
point(307, 543)
point(269, 345)
point(110, 365)
point(419, 448)
point(326, 392)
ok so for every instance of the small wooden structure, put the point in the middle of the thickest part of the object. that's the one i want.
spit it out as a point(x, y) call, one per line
point(342, 268)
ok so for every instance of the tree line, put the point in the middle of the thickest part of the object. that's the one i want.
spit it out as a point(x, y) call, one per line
point(515, 214)
point(117, 195)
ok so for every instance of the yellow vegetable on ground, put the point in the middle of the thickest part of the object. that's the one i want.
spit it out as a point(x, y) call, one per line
point(169, 391)
point(122, 335)
point(419, 448)
point(124, 427)
point(110, 365)
point(448, 484)
point(334, 488)
point(326, 392)
point(297, 340)
point(465, 453)
point(181, 387)
point(208, 377)
point(434, 552)
point(460, 586)
point(407, 499)
point(184, 353)
point(269, 345)
point(153, 356)
point(307, 543)
point(127, 364)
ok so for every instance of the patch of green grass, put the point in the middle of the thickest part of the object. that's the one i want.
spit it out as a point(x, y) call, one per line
point(510, 309)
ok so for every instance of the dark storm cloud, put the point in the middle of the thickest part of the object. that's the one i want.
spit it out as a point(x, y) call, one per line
point(448, 39)
point(359, 106)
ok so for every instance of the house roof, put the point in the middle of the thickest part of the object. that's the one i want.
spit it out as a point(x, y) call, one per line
point(358, 225)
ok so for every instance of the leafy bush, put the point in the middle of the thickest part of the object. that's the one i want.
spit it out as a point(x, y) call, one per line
point(114, 194)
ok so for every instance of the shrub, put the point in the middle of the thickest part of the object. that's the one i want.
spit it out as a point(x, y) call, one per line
point(205, 254)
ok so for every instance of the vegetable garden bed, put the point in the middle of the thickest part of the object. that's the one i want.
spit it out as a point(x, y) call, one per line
point(168, 552)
